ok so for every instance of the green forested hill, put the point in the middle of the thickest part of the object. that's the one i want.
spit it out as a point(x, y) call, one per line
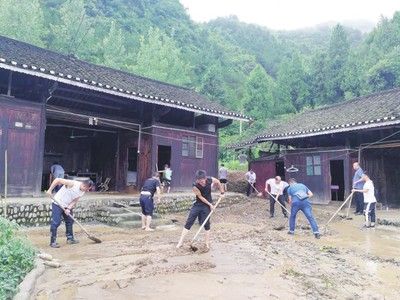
point(265, 74)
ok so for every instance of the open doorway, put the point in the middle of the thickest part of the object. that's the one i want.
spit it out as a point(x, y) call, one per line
point(280, 169)
point(164, 156)
point(337, 180)
point(131, 175)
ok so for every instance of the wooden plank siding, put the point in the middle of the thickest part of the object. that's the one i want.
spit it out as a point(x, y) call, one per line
point(22, 135)
point(184, 168)
point(320, 185)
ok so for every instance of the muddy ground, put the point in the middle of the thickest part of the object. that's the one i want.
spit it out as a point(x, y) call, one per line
point(248, 260)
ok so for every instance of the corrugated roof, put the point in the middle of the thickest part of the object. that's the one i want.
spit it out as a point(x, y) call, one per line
point(25, 58)
point(375, 110)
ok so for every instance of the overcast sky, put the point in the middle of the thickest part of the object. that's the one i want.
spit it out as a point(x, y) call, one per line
point(291, 14)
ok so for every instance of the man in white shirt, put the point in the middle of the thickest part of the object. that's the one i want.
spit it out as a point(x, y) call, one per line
point(275, 187)
point(251, 180)
point(369, 200)
point(66, 197)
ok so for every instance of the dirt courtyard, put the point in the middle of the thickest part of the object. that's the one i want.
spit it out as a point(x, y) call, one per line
point(248, 260)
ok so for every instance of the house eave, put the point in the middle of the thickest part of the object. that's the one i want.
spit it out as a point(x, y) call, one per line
point(97, 86)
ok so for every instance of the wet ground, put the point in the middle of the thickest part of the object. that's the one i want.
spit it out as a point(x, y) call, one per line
point(248, 259)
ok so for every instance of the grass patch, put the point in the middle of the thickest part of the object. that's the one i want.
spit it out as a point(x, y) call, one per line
point(16, 258)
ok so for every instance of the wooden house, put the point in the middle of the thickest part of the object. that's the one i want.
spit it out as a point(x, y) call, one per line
point(98, 122)
point(323, 144)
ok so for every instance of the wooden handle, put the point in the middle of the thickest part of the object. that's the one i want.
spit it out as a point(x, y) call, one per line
point(205, 221)
point(341, 206)
point(73, 219)
point(276, 200)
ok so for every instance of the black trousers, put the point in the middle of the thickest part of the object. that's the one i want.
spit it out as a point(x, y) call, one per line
point(359, 201)
point(250, 189)
point(281, 200)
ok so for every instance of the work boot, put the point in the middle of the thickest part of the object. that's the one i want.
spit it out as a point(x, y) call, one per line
point(72, 241)
point(317, 235)
point(54, 245)
point(271, 216)
point(290, 233)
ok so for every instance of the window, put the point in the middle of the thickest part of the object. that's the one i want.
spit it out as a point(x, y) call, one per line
point(192, 146)
point(313, 165)
point(199, 147)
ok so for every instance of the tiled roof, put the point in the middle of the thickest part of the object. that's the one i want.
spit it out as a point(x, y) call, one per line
point(375, 110)
point(25, 58)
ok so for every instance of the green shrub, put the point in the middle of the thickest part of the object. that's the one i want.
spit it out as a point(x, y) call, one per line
point(16, 258)
point(235, 165)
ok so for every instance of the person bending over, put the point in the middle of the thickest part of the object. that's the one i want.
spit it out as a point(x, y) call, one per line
point(276, 186)
point(150, 187)
point(67, 196)
point(202, 206)
point(299, 196)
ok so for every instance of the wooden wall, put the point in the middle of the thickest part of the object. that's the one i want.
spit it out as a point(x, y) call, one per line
point(320, 185)
point(184, 168)
point(22, 134)
point(264, 170)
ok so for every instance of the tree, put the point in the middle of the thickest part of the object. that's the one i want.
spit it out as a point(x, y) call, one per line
point(22, 20)
point(114, 52)
point(159, 58)
point(258, 98)
point(292, 90)
point(338, 53)
point(73, 31)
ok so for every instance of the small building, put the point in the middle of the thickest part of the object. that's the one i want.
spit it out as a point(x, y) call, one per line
point(98, 122)
point(320, 145)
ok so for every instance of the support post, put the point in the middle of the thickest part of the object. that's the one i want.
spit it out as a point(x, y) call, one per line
point(9, 83)
point(5, 183)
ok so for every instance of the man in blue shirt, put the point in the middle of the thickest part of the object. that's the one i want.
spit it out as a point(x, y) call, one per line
point(358, 184)
point(299, 195)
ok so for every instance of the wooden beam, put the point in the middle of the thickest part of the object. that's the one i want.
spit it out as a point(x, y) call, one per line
point(85, 102)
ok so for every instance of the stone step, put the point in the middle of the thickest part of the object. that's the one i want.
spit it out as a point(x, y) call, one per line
point(138, 224)
point(119, 210)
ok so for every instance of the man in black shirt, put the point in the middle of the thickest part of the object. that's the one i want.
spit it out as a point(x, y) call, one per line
point(150, 187)
point(202, 206)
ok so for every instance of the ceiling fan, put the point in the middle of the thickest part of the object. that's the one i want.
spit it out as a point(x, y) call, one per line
point(73, 136)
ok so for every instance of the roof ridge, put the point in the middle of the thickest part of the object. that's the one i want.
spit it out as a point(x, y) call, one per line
point(74, 57)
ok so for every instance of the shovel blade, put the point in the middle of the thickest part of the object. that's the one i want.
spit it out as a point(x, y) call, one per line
point(95, 239)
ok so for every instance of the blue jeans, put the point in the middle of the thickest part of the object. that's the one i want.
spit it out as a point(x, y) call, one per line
point(56, 215)
point(305, 207)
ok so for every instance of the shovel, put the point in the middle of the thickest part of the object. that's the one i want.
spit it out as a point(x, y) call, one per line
point(276, 200)
point(194, 248)
point(258, 193)
point(93, 238)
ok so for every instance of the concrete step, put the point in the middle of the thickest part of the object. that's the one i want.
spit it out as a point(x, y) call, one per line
point(138, 224)
point(119, 210)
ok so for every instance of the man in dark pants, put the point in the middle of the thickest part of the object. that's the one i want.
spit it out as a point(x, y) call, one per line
point(251, 178)
point(299, 195)
point(275, 186)
point(68, 195)
point(150, 187)
point(358, 184)
point(202, 206)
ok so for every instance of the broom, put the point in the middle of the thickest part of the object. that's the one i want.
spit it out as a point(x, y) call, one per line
point(93, 238)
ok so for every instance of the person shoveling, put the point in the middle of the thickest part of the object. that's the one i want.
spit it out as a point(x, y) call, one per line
point(63, 203)
point(202, 208)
